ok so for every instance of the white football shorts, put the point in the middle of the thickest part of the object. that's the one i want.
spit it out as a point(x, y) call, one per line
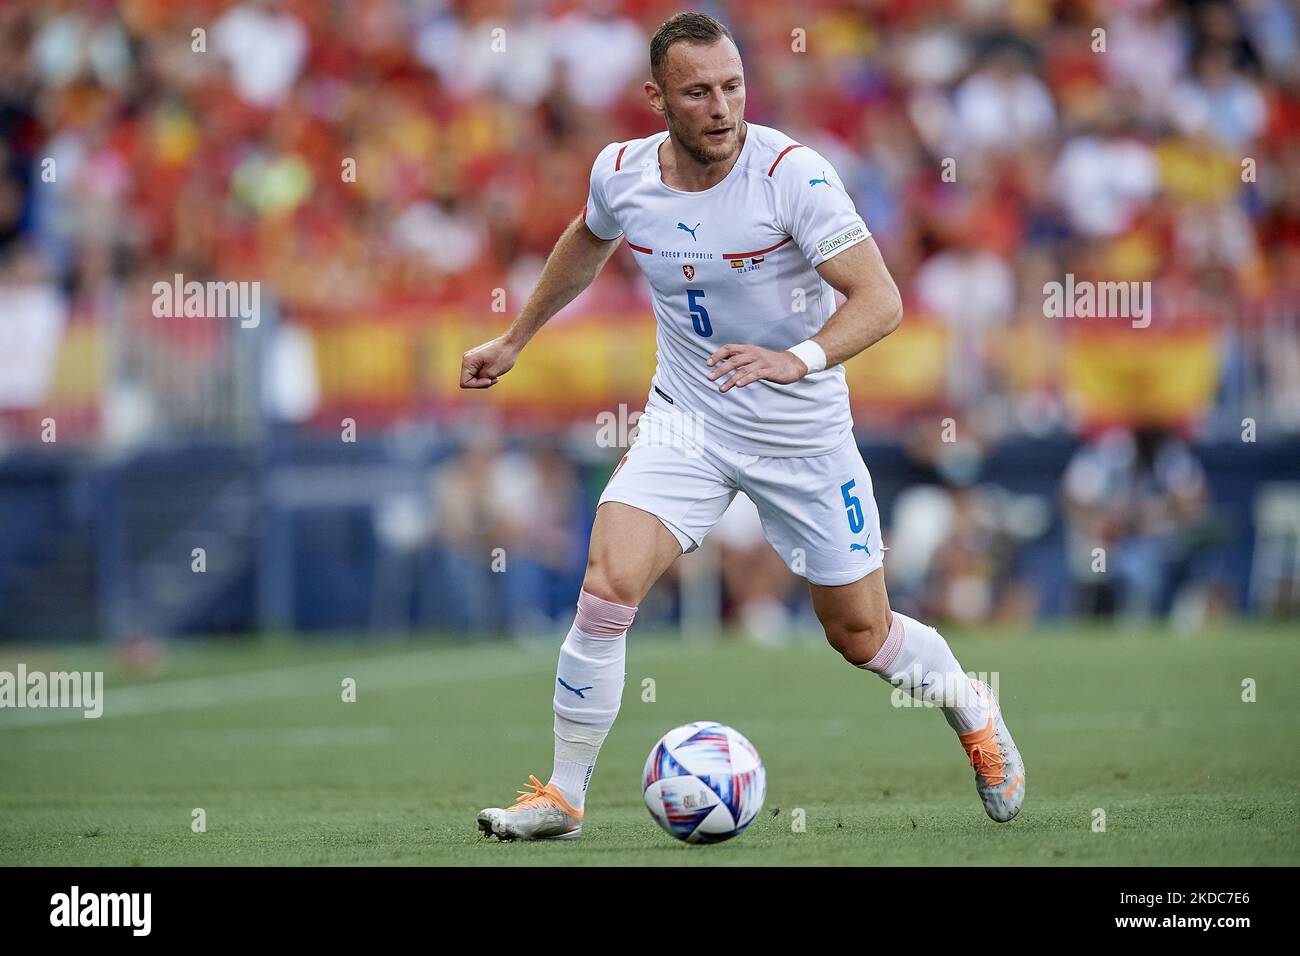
point(818, 513)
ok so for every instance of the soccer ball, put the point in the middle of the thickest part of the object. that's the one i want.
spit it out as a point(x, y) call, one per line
point(704, 782)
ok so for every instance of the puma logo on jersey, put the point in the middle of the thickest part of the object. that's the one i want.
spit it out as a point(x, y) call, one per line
point(814, 182)
point(685, 228)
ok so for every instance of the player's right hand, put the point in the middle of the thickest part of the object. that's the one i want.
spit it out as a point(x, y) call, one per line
point(480, 367)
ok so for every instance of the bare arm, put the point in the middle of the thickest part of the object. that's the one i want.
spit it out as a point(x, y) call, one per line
point(574, 263)
point(873, 309)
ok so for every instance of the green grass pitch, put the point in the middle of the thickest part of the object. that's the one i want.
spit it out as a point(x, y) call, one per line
point(1149, 728)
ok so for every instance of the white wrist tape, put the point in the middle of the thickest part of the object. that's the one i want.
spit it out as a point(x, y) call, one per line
point(811, 354)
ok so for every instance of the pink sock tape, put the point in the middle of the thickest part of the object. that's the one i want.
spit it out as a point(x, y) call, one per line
point(601, 618)
point(888, 652)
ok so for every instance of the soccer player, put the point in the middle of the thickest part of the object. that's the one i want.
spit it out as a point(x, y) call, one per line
point(742, 234)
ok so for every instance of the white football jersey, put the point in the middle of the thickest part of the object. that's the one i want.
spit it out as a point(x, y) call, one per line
point(734, 263)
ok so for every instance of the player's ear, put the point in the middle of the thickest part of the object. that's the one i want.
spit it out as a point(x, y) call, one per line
point(654, 96)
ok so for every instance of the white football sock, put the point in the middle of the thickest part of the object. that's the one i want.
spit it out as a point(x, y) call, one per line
point(576, 747)
point(917, 659)
point(588, 691)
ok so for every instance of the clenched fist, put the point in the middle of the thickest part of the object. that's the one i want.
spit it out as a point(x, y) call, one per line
point(480, 367)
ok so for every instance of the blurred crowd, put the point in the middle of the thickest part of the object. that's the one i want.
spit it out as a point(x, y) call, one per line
point(1128, 531)
point(355, 152)
point(371, 150)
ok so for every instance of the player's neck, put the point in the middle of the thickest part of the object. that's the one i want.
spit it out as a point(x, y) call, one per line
point(680, 170)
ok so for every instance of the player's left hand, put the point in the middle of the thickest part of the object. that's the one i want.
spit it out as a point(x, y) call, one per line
point(754, 364)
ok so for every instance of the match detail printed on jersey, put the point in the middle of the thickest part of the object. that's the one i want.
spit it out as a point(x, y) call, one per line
point(736, 263)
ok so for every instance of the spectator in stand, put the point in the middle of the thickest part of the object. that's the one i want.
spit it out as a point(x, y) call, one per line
point(1141, 498)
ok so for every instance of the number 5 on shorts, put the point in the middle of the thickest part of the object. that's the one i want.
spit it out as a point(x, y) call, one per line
point(853, 506)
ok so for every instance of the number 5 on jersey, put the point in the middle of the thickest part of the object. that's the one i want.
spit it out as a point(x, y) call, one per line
point(699, 314)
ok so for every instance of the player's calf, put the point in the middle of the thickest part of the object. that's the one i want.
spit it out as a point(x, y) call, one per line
point(857, 640)
point(914, 657)
point(855, 617)
point(588, 690)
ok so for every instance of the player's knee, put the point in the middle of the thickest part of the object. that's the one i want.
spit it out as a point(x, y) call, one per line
point(612, 584)
point(857, 637)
